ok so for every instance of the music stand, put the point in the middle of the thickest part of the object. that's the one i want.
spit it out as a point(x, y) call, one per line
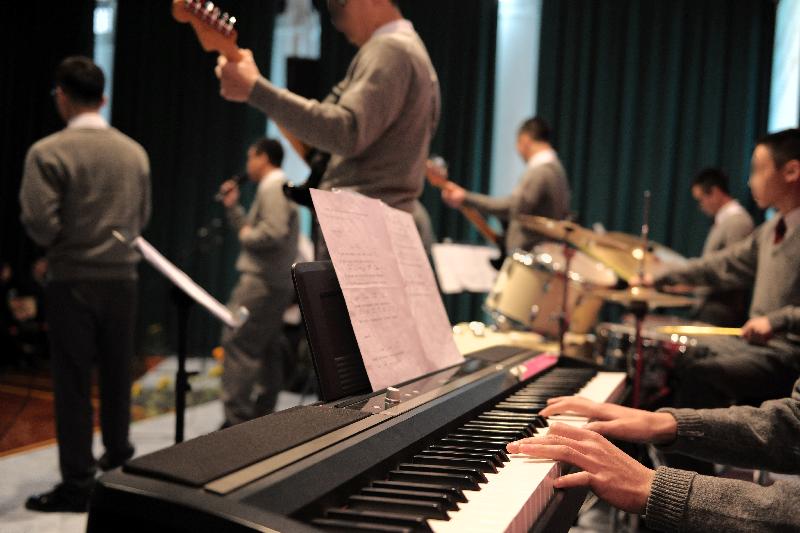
point(184, 293)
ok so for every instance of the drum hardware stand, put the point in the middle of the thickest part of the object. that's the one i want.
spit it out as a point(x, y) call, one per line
point(183, 304)
point(563, 316)
point(639, 308)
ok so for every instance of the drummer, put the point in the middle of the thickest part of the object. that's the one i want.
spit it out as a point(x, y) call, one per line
point(732, 223)
point(740, 370)
point(542, 190)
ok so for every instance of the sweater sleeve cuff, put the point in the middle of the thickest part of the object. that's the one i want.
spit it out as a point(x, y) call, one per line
point(778, 320)
point(689, 426)
point(668, 496)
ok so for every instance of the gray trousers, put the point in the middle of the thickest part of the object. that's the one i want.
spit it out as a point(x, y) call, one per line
point(253, 366)
point(90, 323)
point(728, 370)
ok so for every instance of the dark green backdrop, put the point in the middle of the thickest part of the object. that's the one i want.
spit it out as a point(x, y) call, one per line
point(644, 93)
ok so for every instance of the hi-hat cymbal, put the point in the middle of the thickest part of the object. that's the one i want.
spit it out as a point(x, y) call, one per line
point(564, 230)
point(651, 297)
point(699, 331)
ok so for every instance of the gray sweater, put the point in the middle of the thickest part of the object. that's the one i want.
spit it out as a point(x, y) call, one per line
point(270, 248)
point(749, 437)
point(730, 230)
point(380, 130)
point(78, 185)
point(543, 190)
point(773, 272)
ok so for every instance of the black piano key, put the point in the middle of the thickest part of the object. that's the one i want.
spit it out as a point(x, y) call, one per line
point(455, 493)
point(498, 456)
point(473, 445)
point(484, 465)
point(507, 415)
point(414, 523)
point(332, 524)
point(493, 458)
point(473, 472)
point(499, 424)
point(461, 481)
point(446, 500)
point(485, 437)
point(501, 433)
point(423, 508)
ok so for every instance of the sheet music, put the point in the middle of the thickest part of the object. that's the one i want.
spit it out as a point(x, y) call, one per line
point(464, 267)
point(397, 315)
point(187, 284)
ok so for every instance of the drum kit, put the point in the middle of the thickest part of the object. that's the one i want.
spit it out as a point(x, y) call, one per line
point(558, 289)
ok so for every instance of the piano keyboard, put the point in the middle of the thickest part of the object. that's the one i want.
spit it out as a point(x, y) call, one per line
point(465, 481)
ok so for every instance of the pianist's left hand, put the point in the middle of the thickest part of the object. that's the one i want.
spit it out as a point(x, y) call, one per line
point(612, 474)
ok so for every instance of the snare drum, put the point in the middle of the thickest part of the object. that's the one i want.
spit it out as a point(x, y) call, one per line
point(529, 290)
point(616, 346)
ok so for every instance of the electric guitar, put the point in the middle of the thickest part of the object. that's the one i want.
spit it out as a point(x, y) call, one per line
point(216, 33)
point(436, 172)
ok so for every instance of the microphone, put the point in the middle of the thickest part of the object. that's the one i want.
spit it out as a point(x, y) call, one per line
point(237, 179)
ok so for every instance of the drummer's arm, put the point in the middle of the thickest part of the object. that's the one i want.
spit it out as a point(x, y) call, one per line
point(785, 319)
point(731, 268)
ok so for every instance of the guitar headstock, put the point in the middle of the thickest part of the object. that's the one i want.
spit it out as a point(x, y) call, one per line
point(436, 171)
point(214, 29)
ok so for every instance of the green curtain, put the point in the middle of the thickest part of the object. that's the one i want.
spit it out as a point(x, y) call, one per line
point(167, 98)
point(643, 93)
point(461, 39)
point(36, 37)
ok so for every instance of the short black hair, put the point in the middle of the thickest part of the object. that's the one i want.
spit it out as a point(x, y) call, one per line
point(783, 145)
point(712, 177)
point(81, 80)
point(271, 148)
point(537, 128)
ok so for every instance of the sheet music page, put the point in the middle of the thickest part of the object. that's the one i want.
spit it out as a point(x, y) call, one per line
point(362, 249)
point(427, 308)
point(464, 267)
point(187, 284)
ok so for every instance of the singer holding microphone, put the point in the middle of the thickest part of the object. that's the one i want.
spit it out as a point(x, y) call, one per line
point(252, 370)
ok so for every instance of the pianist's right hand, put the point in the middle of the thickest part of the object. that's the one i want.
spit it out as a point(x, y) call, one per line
point(616, 421)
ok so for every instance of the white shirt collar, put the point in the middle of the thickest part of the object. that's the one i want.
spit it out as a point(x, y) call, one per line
point(541, 158)
point(89, 120)
point(396, 26)
point(272, 175)
point(733, 207)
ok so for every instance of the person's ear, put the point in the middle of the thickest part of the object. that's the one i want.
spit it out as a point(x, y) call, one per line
point(791, 171)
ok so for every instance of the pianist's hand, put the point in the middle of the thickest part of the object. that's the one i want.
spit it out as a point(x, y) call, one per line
point(616, 421)
point(237, 79)
point(757, 330)
point(611, 473)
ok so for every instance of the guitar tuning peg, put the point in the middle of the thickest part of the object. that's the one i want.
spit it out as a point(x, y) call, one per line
point(232, 21)
point(224, 18)
point(209, 7)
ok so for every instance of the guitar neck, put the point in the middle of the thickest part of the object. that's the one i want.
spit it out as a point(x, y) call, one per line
point(473, 215)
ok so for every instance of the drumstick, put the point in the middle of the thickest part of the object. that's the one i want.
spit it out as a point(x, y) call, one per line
point(699, 331)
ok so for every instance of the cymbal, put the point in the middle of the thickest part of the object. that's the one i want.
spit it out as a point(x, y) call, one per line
point(651, 297)
point(698, 331)
point(625, 258)
point(565, 230)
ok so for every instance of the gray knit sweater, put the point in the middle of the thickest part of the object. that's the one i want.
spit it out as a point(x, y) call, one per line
point(79, 185)
point(542, 190)
point(380, 130)
point(749, 437)
point(270, 248)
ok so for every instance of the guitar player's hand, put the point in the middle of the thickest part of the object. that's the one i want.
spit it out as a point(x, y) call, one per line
point(453, 195)
point(230, 193)
point(237, 79)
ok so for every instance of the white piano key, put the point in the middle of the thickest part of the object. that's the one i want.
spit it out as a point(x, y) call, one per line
point(512, 499)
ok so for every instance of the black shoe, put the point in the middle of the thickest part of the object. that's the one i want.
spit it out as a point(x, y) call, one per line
point(62, 499)
point(110, 462)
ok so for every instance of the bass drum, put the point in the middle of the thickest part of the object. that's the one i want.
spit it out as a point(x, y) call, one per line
point(529, 290)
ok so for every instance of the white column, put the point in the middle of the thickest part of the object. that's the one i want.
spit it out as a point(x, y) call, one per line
point(516, 75)
point(784, 101)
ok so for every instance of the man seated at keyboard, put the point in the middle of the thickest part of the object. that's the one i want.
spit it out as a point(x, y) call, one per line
point(678, 500)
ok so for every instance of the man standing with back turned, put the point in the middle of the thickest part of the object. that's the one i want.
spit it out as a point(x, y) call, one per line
point(80, 185)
